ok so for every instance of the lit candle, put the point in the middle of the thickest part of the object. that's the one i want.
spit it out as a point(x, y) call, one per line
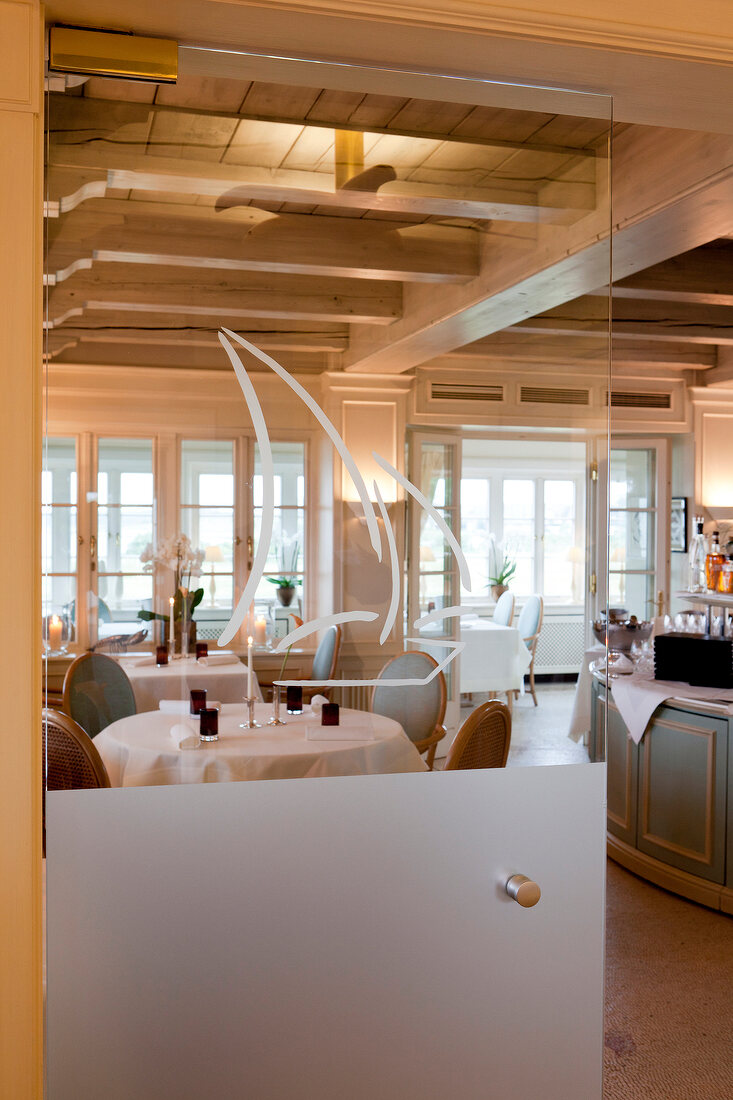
point(261, 630)
point(250, 671)
point(55, 632)
point(171, 642)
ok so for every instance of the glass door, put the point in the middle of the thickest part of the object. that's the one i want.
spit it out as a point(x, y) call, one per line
point(638, 554)
point(433, 613)
point(282, 298)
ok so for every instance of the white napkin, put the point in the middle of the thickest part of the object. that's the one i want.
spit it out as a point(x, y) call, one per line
point(317, 702)
point(183, 706)
point(219, 659)
point(141, 661)
point(182, 733)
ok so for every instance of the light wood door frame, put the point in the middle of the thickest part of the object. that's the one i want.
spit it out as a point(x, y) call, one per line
point(21, 266)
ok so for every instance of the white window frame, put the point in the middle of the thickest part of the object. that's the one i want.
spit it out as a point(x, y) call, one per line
point(167, 509)
point(660, 513)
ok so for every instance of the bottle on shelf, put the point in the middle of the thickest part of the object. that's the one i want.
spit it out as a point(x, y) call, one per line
point(725, 578)
point(696, 579)
point(714, 563)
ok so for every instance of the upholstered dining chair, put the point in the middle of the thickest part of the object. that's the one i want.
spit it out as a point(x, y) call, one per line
point(504, 610)
point(97, 692)
point(70, 760)
point(483, 739)
point(325, 660)
point(419, 708)
point(529, 626)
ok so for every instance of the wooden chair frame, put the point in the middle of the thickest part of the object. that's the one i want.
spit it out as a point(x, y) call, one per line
point(531, 642)
point(429, 743)
point(82, 739)
point(469, 727)
point(83, 742)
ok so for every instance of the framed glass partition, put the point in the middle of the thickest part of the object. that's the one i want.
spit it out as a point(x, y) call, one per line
point(332, 348)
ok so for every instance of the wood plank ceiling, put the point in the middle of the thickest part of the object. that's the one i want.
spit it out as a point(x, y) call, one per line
point(370, 233)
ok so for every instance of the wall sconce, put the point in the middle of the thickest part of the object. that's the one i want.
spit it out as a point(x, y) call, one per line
point(357, 509)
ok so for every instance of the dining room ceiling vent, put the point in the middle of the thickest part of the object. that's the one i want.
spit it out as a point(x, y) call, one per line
point(456, 391)
point(550, 395)
point(623, 399)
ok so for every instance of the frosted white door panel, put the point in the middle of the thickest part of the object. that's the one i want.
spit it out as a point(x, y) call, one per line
point(330, 938)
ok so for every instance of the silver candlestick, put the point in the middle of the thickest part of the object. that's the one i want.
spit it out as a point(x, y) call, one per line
point(275, 719)
point(250, 724)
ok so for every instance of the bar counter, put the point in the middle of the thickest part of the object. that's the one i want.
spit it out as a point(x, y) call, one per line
point(670, 798)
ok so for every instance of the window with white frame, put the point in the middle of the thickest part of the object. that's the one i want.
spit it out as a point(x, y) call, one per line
point(59, 539)
point(207, 517)
point(286, 557)
point(125, 525)
point(218, 502)
point(530, 496)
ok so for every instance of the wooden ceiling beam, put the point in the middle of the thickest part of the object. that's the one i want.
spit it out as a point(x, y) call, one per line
point(672, 194)
point(341, 300)
point(553, 348)
point(702, 276)
point(309, 343)
point(286, 244)
point(641, 320)
point(189, 357)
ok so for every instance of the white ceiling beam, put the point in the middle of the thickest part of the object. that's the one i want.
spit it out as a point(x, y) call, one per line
point(498, 200)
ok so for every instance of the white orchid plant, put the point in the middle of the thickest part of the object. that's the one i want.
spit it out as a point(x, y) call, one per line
point(501, 567)
point(177, 554)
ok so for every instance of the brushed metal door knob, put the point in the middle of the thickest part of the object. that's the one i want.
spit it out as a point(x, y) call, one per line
point(523, 890)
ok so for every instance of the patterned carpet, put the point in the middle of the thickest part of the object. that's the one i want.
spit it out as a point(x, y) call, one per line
point(669, 995)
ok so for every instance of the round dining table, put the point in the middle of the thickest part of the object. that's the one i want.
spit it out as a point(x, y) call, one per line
point(157, 748)
point(222, 674)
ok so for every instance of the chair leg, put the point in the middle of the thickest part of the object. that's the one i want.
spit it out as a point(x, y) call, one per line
point(510, 700)
point(531, 682)
point(430, 758)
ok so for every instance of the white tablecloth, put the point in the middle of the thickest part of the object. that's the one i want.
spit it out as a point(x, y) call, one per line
point(226, 683)
point(140, 752)
point(495, 657)
point(639, 695)
point(580, 720)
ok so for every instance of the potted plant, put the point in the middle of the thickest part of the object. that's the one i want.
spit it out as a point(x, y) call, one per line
point(501, 569)
point(177, 554)
point(286, 582)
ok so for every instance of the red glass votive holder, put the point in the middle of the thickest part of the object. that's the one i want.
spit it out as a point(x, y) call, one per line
point(198, 700)
point(330, 714)
point(202, 650)
point(161, 655)
point(209, 729)
point(294, 700)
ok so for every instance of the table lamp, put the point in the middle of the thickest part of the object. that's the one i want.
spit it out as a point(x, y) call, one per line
point(213, 554)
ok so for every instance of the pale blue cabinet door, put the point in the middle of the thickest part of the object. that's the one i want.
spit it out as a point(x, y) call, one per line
point(682, 791)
